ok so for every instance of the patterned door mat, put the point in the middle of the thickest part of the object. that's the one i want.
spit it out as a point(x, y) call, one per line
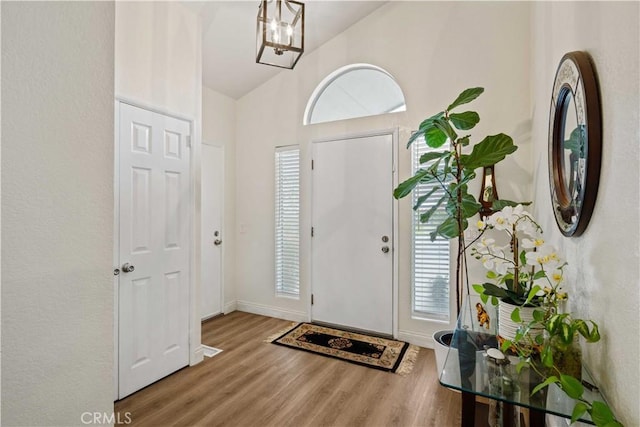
point(366, 350)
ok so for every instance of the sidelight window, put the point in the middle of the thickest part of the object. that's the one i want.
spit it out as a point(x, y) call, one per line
point(430, 260)
point(287, 227)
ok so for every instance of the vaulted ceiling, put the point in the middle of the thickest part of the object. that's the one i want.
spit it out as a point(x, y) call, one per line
point(229, 38)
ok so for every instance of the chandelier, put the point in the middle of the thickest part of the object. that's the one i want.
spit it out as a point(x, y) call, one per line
point(280, 33)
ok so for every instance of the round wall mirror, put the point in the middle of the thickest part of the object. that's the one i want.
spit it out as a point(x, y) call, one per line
point(575, 143)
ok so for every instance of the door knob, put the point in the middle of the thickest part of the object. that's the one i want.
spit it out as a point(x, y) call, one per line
point(127, 268)
point(385, 249)
point(217, 242)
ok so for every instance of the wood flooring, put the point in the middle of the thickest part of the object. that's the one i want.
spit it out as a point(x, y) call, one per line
point(254, 383)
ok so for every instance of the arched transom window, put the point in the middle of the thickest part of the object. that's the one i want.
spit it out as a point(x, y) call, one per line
point(356, 90)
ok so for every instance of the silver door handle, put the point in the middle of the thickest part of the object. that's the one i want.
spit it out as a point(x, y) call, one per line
point(127, 268)
point(217, 242)
point(385, 249)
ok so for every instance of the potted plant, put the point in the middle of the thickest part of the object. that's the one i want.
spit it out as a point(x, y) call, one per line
point(528, 273)
point(451, 170)
point(556, 357)
point(519, 270)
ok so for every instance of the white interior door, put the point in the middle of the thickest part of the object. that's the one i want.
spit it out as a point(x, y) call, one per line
point(352, 252)
point(212, 163)
point(154, 226)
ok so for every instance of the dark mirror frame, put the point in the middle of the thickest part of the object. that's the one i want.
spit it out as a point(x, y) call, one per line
point(573, 201)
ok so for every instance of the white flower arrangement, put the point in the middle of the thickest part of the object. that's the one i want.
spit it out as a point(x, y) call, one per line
point(527, 270)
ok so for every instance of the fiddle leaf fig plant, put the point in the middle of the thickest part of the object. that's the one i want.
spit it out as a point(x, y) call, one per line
point(452, 169)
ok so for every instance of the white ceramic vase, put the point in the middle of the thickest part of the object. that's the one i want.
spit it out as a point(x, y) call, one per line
point(441, 350)
point(507, 328)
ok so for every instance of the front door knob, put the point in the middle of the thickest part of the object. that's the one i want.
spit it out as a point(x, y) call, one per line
point(217, 242)
point(127, 268)
point(385, 249)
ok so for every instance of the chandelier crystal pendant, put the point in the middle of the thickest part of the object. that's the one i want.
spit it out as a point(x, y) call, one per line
point(280, 33)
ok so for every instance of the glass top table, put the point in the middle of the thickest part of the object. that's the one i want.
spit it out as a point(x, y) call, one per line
point(469, 370)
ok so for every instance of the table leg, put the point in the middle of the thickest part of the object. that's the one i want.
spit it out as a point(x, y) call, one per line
point(468, 409)
point(536, 418)
point(508, 414)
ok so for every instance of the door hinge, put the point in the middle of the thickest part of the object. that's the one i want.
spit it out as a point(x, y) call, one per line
point(311, 164)
point(311, 231)
point(188, 138)
point(311, 299)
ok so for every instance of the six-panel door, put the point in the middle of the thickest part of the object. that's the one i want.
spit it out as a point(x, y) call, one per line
point(154, 226)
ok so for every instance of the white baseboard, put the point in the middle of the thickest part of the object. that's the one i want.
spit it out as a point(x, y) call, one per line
point(229, 307)
point(418, 339)
point(197, 356)
point(277, 312)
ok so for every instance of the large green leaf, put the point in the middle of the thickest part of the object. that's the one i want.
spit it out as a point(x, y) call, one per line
point(532, 293)
point(470, 206)
point(581, 326)
point(506, 346)
point(489, 151)
point(539, 275)
point(425, 196)
point(461, 186)
point(427, 130)
point(493, 290)
point(547, 356)
point(434, 137)
point(538, 315)
point(446, 129)
point(564, 332)
point(554, 322)
point(578, 411)
point(478, 288)
point(415, 136)
point(571, 386)
point(428, 122)
point(426, 216)
point(492, 274)
point(432, 155)
point(407, 186)
point(594, 335)
point(601, 414)
point(466, 96)
point(464, 121)
point(448, 229)
point(552, 379)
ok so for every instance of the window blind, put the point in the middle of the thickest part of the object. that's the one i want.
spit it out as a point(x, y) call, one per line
point(430, 289)
point(287, 227)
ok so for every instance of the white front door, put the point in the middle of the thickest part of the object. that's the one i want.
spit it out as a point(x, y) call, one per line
point(352, 243)
point(212, 199)
point(154, 227)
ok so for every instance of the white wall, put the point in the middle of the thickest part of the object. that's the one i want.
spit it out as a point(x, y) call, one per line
point(434, 50)
point(158, 49)
point(219, 128)
point(602, 276)
point(57, 211)
point(158, 65)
